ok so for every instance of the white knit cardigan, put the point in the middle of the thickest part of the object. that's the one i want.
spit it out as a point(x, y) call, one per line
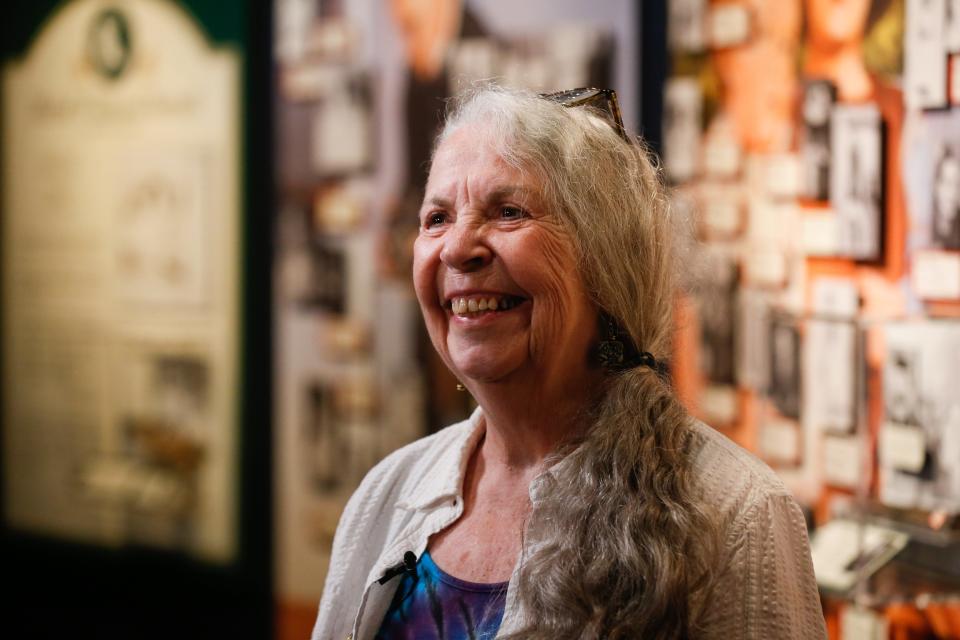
point(766, 585)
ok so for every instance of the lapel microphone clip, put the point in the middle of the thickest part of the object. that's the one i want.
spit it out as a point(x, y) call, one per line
point(409, 565)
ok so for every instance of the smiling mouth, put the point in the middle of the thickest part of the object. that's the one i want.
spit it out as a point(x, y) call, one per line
point(471, 306)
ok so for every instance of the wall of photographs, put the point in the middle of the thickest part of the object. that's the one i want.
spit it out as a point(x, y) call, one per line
point(815, 145)
point(360, 89)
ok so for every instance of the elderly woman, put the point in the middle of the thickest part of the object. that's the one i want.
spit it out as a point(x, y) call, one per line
point(579, 500)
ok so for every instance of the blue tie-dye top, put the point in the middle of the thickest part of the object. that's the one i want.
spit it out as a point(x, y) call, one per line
point(434, 604)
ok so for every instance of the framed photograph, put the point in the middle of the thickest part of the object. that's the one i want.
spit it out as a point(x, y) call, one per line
point(157, 478)
point(945, 198)
point(856, 180)
point(327, 288)
point(717, 304)
point(785, 369)
point(920, 437)
point(682, 112)
point(753, 343)
point(931, 179)
point(819, 98)
point(925, 53)
point(325, 445)
point(830, 374)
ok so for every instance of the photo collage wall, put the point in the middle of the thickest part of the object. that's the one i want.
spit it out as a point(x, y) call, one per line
point(816, 146)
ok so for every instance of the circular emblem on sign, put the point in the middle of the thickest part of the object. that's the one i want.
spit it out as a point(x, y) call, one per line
point(108, 43)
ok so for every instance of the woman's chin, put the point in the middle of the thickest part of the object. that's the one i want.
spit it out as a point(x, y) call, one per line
point(484, 368)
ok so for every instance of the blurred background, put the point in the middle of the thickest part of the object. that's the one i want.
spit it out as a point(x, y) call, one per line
point(209, 333)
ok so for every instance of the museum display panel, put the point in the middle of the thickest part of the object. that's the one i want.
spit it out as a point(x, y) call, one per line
point(133, 459)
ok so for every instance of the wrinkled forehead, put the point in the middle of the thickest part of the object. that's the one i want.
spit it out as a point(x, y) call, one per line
point(471, 152)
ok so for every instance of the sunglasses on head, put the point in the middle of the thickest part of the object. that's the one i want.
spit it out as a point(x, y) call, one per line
point(604, 101)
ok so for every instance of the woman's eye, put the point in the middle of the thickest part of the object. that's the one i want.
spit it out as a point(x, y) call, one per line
point(435, 218)
point(512, 213)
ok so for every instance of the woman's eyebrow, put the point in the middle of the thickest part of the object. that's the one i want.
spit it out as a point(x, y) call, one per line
point(437, 201)
point(511, 191)
point(497, 195)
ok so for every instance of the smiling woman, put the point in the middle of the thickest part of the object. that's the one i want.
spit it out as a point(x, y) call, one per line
point(580, 500)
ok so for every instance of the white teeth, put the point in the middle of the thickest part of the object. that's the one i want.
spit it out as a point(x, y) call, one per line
point(466, 306)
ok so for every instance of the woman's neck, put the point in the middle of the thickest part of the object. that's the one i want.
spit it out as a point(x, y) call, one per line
point(526, 423)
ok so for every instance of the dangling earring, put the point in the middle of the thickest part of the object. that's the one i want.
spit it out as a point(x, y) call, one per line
point(610, 351)
point(460, 387)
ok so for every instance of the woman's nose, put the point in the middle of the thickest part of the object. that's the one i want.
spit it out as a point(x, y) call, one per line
point(465, 247)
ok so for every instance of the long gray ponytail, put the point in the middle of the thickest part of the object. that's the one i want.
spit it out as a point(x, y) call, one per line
point(619, 542)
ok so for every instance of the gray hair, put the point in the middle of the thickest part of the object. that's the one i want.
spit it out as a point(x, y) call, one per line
point(619, 545)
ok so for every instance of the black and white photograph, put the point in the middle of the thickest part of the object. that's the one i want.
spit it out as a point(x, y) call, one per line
point(753, 338)
point(717, 305)
point(901, 385)
point(920, 437)
point(785, 374)
point(830, 374)
point(181, 392)
point(946, 198)
point(931, 181)
point(328, 283)
point(819, 97)
point(682, 113)
point(925, 53)
point(856, 180)
point(325, 446)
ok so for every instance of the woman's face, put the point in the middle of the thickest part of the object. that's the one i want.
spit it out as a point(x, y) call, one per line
point(485, 236)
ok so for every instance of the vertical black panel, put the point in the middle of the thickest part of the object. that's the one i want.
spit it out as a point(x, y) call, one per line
point(654, 64)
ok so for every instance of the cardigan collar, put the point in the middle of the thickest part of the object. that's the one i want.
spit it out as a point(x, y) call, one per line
point(443, 481)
